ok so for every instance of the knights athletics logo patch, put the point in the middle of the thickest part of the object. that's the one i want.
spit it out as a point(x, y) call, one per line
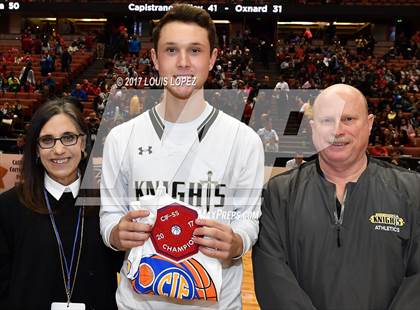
point(387, 222)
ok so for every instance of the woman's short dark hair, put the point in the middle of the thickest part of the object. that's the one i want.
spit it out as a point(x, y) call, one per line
point(31, 189)
point(187, 14)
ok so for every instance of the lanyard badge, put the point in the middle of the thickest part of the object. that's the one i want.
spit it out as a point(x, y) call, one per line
point(66, 266)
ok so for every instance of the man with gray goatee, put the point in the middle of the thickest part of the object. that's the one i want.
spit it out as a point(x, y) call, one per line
point(343, 231)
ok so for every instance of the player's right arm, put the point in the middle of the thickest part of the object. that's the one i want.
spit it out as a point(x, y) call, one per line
point(119, 229)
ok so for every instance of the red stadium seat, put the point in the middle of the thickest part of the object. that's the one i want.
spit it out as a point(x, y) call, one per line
point(10, 95)
point(411, 150)
point(415, 141)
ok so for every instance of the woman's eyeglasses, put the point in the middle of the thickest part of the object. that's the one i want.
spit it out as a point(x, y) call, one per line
point(68, 139)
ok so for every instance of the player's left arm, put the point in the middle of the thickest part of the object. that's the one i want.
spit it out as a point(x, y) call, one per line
point(229, 241)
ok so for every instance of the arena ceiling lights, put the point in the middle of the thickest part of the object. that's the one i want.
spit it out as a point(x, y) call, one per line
point(319, 24)
point(84, 20)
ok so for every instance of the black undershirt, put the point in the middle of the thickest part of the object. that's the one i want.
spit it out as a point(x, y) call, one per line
point(338, 207)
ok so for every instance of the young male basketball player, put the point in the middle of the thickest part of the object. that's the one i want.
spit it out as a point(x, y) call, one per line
point(199, 154)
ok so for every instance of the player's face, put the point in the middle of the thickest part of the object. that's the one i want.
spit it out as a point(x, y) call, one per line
point(341, 128)
point(184, 54)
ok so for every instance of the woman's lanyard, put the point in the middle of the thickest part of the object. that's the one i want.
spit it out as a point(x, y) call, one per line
point(68, 285)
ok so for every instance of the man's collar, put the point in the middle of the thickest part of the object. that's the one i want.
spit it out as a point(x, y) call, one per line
point(56, 189)
point(321, 173)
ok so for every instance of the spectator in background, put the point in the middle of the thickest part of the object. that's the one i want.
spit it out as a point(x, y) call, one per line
point(19, 146)
point(9, 56)
point(370, 45)
point(308, 84)
point(136, 107)
point(46, 64)
point(89, 40)
point(361, 43)
point(45, 44)
point(3, 83)
point(26, 43)
point(6, 111)
point(387, 138)
point(132, 73)
point(133, 60)
point(37, 45)
point(94, 90)
point(18, 115)
point(4, 69)
point(13, 83)
point(264, 53)
point(296, 161)
point(100, 45)
point(1, 118)
point(79, 93)
point(80, 43)
point(86, 87)
point(66, 60)
point(93, 123)
point(265, 83)
point(307, 35)
point(379, 150)
point(269, 136)
point(58, 48)
point(145, 59)
point(407, 127)
point(249, 106)
point(52, 62)
point(50, 83)
point(281, 84)
point(402, 137)
point(27, 77)
point(120, 64)
point(134, 46)
point(100, 101)
point(395, 159)
point(415, 121)
point(74, 47)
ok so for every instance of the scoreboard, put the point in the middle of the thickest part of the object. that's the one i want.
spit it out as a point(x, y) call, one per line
point(212, 8)
point(136, 8)
point(278, 9)
point(9, 6)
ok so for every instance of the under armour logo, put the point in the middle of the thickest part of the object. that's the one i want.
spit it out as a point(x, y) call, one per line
point(148, 150)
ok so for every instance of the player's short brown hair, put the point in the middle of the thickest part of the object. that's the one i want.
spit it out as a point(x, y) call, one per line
point(187, 14)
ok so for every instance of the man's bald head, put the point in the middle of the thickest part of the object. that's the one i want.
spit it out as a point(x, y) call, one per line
point(346, 92)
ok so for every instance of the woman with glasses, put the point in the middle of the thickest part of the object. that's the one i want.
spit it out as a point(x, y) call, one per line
point(51, 252)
